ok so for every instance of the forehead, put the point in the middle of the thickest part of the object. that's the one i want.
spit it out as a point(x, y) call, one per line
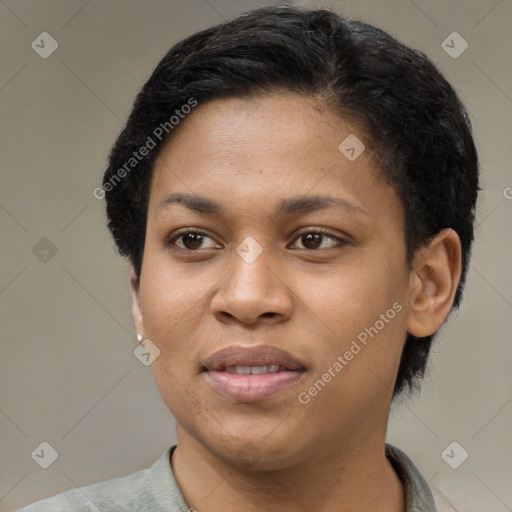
point(254, 152)
point(223, 125)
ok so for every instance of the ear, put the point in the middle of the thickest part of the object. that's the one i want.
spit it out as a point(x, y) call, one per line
point(434, 278)
point(136, 308)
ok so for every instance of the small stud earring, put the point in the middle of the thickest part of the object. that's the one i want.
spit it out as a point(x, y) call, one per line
point(139, 337)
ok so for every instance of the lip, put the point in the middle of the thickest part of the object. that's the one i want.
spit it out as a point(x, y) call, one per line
point(252, 387)
point(260, 355)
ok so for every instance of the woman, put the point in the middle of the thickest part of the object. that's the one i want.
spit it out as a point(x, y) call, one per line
point(296, 193)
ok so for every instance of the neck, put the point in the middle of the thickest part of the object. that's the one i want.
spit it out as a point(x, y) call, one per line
point(337, 478)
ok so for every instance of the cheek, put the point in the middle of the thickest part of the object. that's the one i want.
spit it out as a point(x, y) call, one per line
point(352, 298)
point(169, 290)
point(171, 300)
point(360, 317)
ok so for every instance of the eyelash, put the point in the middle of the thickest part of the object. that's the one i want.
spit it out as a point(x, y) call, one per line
point(171, 241)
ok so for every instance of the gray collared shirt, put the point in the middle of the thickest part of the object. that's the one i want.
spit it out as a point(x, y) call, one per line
point(155, 489)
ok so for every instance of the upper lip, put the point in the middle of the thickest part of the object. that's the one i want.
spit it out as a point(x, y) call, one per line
point(260, 355)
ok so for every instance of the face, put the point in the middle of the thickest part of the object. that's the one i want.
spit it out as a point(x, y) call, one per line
point(269, 273)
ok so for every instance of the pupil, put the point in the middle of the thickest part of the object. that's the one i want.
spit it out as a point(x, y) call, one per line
point(193, 239)
point(311, 239)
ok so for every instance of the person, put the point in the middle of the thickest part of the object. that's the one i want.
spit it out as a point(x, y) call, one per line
point(295, 192)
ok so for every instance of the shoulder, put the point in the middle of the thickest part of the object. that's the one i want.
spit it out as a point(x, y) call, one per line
point(448, 493)
point(130, 492)
point(418, 495)
point(107, 495)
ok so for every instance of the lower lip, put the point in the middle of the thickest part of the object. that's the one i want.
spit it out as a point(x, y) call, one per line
point(249, 387)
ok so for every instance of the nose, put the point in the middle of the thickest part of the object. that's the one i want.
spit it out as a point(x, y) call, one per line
point(253, 292)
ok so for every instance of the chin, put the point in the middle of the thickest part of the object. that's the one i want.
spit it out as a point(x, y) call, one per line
point(257, 450)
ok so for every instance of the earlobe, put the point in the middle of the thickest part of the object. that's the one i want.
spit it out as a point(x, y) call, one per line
point(136, 306)
point(433, 282)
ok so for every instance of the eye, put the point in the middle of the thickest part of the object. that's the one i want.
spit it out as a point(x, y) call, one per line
point(190, 240)
point(313, 240)
point(193, 240)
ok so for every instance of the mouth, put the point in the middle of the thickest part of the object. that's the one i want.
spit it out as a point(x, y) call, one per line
point(256, 370)
point(250, 374)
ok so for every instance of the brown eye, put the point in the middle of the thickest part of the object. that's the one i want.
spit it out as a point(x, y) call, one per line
point(190, 240)
point(312, 240)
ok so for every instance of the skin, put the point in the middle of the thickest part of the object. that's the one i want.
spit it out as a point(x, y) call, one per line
point(311, 299)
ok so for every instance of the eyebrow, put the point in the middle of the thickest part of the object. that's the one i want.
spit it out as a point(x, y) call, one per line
point(298, 204)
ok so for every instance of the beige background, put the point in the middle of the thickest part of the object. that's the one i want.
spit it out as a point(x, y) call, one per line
point(68, 375)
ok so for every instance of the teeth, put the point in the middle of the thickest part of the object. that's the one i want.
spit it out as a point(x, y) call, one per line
point(255, 370)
